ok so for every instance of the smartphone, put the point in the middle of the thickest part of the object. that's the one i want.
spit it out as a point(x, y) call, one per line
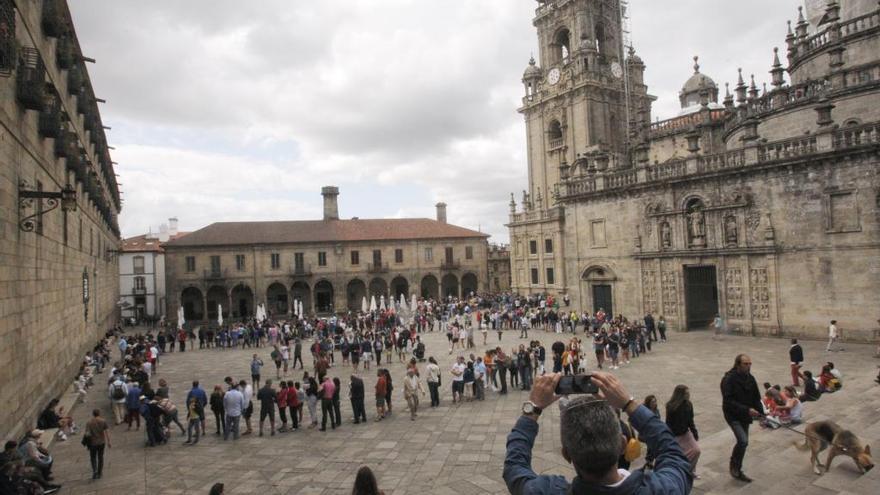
point(576, 384)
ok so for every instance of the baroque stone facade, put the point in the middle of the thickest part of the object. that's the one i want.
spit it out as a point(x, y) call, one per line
point(328, 265)
point(58, 273)
point(763, 208)
point(499, 268)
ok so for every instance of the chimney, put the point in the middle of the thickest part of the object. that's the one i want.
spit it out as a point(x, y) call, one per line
point(331, 208)
point(163, 233)
point(441, 212)
point(172, 226)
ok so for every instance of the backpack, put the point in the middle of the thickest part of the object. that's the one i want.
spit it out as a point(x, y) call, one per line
point(118, 392)
point(633, 448)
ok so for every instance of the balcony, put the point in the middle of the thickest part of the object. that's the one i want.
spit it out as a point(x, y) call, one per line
point(75, 80)
point(217, 274)
point(31, 79)
point(50, 117)
point(65, 52)
point(54, 17)
point(378, 267)
point(139, 291)
point(448, 265)
point(66, 145)
point(301, 271)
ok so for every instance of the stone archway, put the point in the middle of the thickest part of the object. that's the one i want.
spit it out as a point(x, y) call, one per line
point(276, 299)
point(379, 288)
point(324, 297)
point(355, 292)
point(242, 301)
point(468, 284)
point(430, 287)
point(303, 293)
point(597, 289)
point(449, 285)
point(217, 295)
point(192, 303)
point(399, 285)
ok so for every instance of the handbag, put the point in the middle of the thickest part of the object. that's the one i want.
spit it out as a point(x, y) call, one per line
point(85, 440)
point(633, 448)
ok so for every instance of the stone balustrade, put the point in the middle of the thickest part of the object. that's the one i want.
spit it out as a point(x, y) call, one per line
point(759, 154)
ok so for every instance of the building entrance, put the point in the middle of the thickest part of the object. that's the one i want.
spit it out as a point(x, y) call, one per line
point(701, 296)
point(602, 299)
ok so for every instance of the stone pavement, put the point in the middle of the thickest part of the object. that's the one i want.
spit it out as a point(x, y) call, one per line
point(459, 450)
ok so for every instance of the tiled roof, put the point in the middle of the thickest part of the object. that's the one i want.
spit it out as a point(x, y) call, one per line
point(141, 244)
point(310, 231)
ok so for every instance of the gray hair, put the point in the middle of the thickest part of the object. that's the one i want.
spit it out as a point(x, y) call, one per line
point(590, 435)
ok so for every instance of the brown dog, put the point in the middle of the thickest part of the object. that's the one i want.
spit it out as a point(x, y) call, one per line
point(823, 434)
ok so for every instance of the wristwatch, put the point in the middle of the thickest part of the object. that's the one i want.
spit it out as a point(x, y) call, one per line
point(529, 407)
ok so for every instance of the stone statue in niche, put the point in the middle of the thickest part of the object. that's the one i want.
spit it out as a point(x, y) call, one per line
point(730, 233)
point(696, 221)
point(665, 235)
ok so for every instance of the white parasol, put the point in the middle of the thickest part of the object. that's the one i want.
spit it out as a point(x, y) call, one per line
point(219, 315)
point(373, 303)
point(364, 306)
point(415, 304)
point(382, 302)
point(180, 320)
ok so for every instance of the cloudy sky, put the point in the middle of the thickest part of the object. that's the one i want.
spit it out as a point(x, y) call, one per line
point(226, 110)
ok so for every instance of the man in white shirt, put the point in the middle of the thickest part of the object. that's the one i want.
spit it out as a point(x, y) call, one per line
point(833, 335)
point(247, 392)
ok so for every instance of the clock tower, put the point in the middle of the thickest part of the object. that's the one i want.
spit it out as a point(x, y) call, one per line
point(583, 96)
point(585, 107)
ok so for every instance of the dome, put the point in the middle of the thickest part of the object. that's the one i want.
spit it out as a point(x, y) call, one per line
point(698, 81)
point(696, 85)
point(532, 71)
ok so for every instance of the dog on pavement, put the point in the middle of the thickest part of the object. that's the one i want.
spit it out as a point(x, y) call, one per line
point(828, 434)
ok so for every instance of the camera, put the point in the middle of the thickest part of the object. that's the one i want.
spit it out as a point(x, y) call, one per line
point(576, 384)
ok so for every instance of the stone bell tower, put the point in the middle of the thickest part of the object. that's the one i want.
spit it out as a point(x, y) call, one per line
point(576, 93)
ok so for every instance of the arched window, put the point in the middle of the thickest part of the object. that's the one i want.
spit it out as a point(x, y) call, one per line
point(555, 130)
point(554, 134)
point(600, 38)
point(562, 46)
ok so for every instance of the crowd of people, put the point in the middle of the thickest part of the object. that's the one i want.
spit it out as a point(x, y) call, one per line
point(372, 341)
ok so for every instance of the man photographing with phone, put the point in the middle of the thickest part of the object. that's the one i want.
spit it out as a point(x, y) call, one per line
point(592, 442)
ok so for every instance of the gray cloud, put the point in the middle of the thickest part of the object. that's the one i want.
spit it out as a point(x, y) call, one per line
point(391, 92)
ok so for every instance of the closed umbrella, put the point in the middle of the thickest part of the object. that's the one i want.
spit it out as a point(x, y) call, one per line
point(373, 303)
point(219, 315)
point(414, 303)
point(364, 306)
point(382, 303)
point(300, 312)
point(180, 319)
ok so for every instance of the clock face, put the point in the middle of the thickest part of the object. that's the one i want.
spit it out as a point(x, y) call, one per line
point(616, 70)
point(553, 76)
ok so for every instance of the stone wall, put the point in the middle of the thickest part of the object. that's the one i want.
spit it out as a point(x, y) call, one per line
point(44, 327)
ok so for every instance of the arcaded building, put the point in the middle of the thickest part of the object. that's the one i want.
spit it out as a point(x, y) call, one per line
point(329, 265)
point(59, 201)
point(758, 203)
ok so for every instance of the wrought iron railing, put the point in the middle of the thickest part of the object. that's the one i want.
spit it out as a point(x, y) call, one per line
point(31, 79)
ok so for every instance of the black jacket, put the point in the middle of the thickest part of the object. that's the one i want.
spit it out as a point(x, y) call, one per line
point(357, 389)
point(739, 393)
point(796, 354)
point(681, 420)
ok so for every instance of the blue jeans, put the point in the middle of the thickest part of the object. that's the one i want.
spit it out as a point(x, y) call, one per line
point(231, 426)
point(194, 424)
point(741, 432)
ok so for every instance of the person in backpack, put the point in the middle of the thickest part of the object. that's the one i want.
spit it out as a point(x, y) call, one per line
point(118, 391)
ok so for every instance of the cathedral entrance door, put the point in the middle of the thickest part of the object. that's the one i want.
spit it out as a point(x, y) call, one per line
point(701, 296)
point(602, 299)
